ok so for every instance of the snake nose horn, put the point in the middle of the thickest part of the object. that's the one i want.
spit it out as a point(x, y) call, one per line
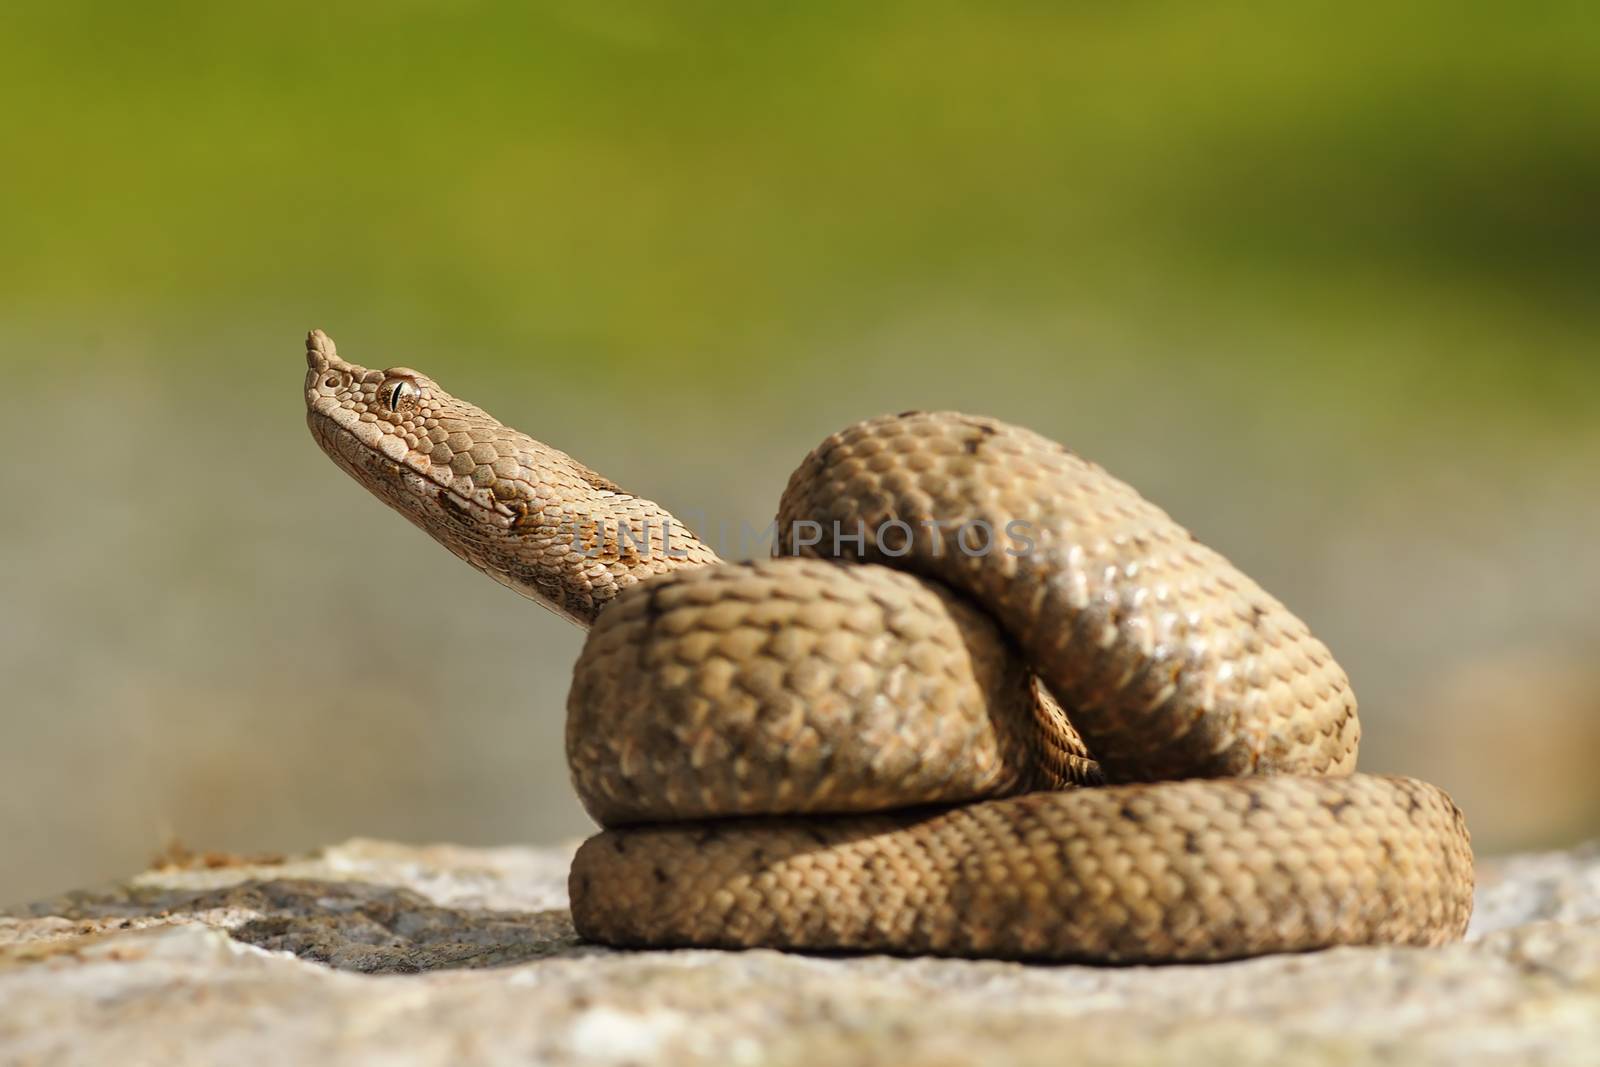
point(320, 350)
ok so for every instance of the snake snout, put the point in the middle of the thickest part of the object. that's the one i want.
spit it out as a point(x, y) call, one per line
point(327, 376)
point(320, 350)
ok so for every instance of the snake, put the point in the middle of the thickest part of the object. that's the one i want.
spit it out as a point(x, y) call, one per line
point(983, 700)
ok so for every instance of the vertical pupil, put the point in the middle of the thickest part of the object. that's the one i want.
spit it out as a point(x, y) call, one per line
point(394, 396)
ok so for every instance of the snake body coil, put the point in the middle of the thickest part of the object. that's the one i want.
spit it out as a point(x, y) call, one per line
point(862, 749)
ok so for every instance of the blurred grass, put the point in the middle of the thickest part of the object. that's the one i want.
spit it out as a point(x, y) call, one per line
point(1319, 277)
point(701, 194)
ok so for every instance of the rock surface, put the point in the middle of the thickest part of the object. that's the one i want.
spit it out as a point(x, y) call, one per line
point(375, 952)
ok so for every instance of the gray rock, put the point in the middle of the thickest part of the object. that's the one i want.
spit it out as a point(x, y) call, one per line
point(382, 953)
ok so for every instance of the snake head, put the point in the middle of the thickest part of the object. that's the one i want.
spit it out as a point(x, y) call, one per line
point(510, 506)
point(361, 416)
point(449, 467)
point(414, 445)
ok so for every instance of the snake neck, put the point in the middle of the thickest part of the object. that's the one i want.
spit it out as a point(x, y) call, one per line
point(528, 515)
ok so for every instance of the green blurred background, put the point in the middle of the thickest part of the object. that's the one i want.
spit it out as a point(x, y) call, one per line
point(1321, 279)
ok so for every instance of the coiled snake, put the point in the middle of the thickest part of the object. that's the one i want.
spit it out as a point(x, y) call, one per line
point(859, 748)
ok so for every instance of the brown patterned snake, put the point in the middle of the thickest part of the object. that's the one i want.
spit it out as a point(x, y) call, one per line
point(812, 754)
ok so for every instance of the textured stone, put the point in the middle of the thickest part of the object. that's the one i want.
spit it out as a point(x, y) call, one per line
point(384, 953)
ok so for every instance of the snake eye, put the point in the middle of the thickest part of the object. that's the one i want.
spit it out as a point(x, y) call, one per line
point(399, 392)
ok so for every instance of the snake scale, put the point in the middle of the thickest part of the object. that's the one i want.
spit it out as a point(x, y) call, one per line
point(986, 700)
